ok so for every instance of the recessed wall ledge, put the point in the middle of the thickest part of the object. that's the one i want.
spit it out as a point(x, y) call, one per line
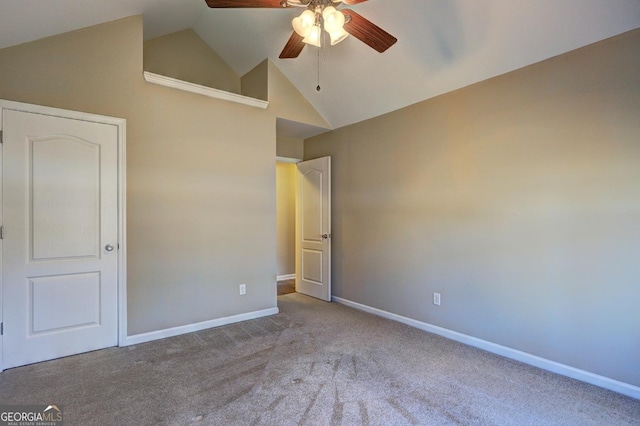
point(203, 90)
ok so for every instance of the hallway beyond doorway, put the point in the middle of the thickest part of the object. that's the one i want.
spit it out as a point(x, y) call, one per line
point(286, 287)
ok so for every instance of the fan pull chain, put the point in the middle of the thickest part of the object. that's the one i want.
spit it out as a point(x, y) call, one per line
point(318, 88)
point(323, 48)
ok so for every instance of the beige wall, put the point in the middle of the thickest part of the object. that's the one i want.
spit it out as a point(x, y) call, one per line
point(286, 218)
point(255, 83)
point(267, 82)
point(289, 147)
point(517, 199)
point(287, 102)
point(200, 174)
point(185, 56)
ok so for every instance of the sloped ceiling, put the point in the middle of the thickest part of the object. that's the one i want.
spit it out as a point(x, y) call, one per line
point(443, 44)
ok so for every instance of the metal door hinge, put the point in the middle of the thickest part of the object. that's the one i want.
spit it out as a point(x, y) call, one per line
point(1, 329)
point(1, 136)
point(1, 233)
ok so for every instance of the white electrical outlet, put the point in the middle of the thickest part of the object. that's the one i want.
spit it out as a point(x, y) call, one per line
point(243, 289)
point(436, 299)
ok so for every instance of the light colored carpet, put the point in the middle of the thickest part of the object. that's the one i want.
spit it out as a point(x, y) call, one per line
point(315, 363)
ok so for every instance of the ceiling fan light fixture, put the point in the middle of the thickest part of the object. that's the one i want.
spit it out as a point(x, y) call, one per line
point(304, 23)
point(333, 19)
point(334, 24)
point(338, 36)
point(313, 38)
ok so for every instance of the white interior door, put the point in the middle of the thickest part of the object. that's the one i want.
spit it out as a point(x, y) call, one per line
point(313, 228)
point(60, 222)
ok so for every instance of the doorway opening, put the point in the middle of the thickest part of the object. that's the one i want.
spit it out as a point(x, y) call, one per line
point(310, 227)
point(285, 224)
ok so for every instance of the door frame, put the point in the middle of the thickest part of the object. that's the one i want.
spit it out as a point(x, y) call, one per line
point(120, 124)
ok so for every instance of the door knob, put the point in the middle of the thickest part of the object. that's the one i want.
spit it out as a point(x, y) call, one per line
point(108, 247)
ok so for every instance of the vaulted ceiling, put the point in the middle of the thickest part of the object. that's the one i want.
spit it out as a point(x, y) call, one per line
point(443, 45)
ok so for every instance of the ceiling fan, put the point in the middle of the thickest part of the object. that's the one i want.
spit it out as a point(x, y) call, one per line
point(319, 15)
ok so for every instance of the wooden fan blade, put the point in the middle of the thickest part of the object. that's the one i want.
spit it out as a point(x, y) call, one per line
point(353, 1)
point(368, 32)
point(243, 3)
point(293, 47)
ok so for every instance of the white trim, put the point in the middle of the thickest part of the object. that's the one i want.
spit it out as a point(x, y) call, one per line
point(59, 112)
point(203, 90)
point(1, 242)
point(536, 361)
point(190, 328)
point(285, 277)
point(120, 123)
point(289, 160)
point(122, 232)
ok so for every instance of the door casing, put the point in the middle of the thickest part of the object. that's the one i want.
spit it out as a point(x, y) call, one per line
point(120, 123)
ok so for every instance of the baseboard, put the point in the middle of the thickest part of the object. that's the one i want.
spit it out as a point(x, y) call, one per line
point(536, 361)
point(286, 277)
point(190, 328)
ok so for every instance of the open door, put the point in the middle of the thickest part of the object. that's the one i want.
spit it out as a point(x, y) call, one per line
point(313, 228)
